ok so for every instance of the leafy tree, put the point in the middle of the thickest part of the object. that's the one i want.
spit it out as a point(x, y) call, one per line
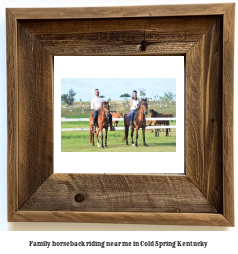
point(68, 98)
point(161, 98)
point(101, 96)
point(125, 95)
point(142, 92)
point(168, 96)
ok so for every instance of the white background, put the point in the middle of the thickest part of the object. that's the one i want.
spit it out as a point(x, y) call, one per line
point(18, 241)
point(108, 66)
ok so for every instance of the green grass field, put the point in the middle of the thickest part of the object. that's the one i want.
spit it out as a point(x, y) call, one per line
point(78, 141)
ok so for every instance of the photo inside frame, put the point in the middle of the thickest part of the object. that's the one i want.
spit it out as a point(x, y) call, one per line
point(159, 83)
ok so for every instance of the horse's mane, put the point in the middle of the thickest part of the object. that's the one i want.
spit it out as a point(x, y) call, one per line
point(153, 112)
point(105, 102)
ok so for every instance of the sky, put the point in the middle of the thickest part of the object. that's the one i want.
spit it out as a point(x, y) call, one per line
point(113, 87)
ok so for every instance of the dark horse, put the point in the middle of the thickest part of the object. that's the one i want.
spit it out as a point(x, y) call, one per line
point(139, 122)
point(154, 113)
point(102, 123)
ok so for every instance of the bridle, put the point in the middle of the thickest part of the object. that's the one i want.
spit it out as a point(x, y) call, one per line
point(105, 116)
point(140, 104)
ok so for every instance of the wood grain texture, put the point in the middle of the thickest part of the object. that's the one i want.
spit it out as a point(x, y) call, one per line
point(174, 36)
point(227, 113)
point(191, 219)
point(104, 193)
point(12, 114)
point(189, 26)
point(35, 115)
point(122, 12)
point(203, 124)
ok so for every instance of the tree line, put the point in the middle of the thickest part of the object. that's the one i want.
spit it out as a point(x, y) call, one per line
point(168, 97)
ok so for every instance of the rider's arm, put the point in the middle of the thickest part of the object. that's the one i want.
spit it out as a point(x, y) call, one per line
point(93, 105)
point(131, 103)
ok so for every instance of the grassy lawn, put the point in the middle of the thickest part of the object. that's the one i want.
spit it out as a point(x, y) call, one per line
point(78, 141)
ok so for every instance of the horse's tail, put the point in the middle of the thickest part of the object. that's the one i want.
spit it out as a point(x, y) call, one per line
point(123, 139)
point(90, 133)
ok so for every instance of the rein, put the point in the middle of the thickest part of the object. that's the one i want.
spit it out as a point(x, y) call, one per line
point(102, 114)
point(139, 110)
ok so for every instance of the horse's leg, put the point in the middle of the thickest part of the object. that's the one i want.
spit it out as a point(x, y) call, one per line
point(136, 136)
point(105, 138)
point(143, 132)
point(166, 131)
point(97, 138)
point(101, 137)
point(92, 136)
point(132, 132)
point(126, 134)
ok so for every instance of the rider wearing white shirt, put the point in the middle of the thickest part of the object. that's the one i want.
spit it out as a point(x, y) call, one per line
point(134, 105)
point(96, 104)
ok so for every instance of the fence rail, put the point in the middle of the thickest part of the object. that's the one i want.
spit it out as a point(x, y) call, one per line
point(64, 119)
point(121, 128)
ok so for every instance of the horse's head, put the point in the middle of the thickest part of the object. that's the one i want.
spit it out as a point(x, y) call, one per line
point(105, 108)
point(120, 115)
point(152, 113)
point(144, 106)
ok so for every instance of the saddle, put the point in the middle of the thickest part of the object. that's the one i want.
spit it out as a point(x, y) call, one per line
point(128, 116)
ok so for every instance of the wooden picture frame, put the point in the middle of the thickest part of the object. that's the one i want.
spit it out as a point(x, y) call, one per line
point(204, 34)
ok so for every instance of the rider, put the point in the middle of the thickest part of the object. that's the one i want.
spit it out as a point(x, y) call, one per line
point(134, 105)
point(96, 104)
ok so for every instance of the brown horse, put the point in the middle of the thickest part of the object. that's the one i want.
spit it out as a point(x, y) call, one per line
point(139, 122)
point(102, 123)
point(154, 113)
point(116, 115)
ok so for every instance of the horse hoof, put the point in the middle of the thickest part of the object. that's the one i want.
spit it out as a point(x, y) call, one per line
point(93, 145)
point(133, 144)
point(105, 146)
point(99, 145)
point(146, 145)
point(102, 147)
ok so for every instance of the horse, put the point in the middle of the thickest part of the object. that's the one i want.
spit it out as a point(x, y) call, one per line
point(154, 113)
point(139, 122)
point(116, 115)
point(102, 123)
